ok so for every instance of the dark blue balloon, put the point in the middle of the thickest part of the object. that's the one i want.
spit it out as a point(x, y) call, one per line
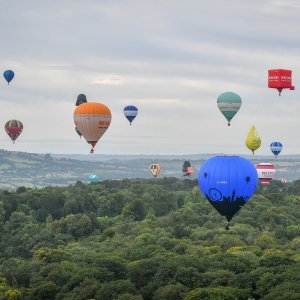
point(8, 75)
point(228, 182)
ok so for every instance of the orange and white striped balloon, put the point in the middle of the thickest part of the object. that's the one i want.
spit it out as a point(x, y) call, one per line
point(92, 119)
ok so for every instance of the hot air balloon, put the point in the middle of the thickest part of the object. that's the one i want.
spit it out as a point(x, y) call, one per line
point(228, 182)
point(13, 128)
point(229, 104)
point(78, 131)
point(283, 180)
point(276, 148)
point(154, 169)
point(81, 98)
point(93, 178)
point(92, 119)
point(187, 169)
point(130, 112)
point(266, 172)
point(280, 79)
point(253, 140)
point(8, 75)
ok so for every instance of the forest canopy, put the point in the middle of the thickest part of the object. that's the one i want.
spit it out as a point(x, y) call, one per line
point(147, 239)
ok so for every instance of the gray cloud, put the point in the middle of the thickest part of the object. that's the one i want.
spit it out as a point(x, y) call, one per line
point(170, 58)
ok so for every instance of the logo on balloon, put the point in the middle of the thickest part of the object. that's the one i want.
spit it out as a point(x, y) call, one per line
point(215, 195)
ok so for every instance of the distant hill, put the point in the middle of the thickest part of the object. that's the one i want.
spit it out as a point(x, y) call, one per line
point(39, 170)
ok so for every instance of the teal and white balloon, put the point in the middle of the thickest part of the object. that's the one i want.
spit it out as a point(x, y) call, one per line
point(229, 104)
point(93, 178)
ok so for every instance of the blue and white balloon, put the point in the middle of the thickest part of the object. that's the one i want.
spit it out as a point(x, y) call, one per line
point(276, 148)
point(130, 112)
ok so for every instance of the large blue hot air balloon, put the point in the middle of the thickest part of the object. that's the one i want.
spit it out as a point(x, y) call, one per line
point(276, 148)
point(130, 112)
point(228, 182)
point(8, 75)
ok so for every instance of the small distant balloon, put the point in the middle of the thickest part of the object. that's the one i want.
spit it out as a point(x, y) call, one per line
point(8, 75)
point(93, 178)
point(187, 169)
point(81, 98)
point(229, 104)
point(265, 172)
point(13, 128)
point(154, 169)
point(253, 140)
point(276, 148)
point(130, 112)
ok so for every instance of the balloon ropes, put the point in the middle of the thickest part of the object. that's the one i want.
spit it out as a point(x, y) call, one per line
point(130, 112)
point(253, 140)
point(266, 172)
point(228, 182)
point(92, 120)
point(280, 79)
point(8, 75)
point(13, 128)
point(154, 169)
point(276, 148)
point(229, 104)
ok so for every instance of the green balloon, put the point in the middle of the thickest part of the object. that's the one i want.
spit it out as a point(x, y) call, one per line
point(229, 104)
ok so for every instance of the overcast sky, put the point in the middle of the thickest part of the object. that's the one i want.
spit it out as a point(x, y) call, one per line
point(169, 58)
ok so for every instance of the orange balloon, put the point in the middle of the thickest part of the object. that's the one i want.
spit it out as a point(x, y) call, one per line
point(92, 119)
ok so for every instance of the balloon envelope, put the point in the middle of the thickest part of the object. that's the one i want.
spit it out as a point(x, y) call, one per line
point(130, 112)
point(229, 104)
point(81, 98)
point(253, 140)
point(187, 168)
point(8, 75)
point(93, 178)
point(266, 172)
point(92, 119)
point(13, 128)
point(276, 148)
point(280, 79)
point(228, 182)
point(154, 169)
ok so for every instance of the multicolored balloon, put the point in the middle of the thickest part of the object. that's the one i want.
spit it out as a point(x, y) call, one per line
point(130, 112)
point(253, 140)
point(8, 75)
point(229, 104)
point(13, 128)
point(187, 169)
point(154, 169)
point(276, 148)
point(228, 182)
point(92, 119)
point(266, 172)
